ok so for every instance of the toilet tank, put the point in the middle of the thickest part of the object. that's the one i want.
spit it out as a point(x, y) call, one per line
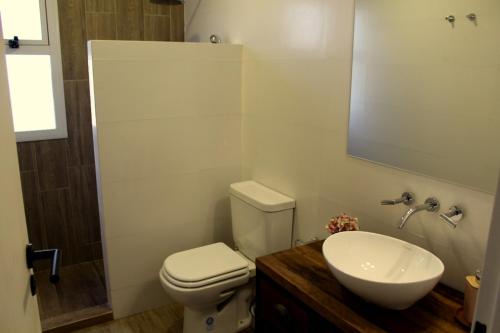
point(262, 219)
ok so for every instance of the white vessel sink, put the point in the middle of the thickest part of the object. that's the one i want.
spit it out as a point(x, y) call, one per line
point(381, 269)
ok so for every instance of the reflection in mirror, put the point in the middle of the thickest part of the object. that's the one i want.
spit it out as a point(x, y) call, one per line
point(426, 91)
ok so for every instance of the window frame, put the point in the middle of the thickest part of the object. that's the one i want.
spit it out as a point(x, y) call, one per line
point(44, 29)
point(49, 45)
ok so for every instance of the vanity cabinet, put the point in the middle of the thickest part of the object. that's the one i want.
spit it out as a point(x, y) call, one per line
point(277, 311)
point(297, 293)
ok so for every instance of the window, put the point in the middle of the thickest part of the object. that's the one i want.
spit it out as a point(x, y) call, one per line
point(34, 69)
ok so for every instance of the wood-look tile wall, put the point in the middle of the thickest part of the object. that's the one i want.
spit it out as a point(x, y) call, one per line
point(58, 176)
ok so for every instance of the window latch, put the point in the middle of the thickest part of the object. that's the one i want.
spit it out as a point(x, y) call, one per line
point(14, 43)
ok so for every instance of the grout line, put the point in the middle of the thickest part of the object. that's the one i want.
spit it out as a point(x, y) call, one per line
point(75, 80)
point(142, 34)
point(144, 22)
point(41, 210)
point(99, 12)
point(56, 189)
point(116, 19)
point(158, 15)
point(171, 37)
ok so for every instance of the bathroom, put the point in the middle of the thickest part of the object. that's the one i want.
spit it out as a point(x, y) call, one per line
point(272, 103)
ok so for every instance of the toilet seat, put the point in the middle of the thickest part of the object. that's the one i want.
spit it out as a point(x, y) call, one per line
point(205, 295)
point(204, 266)
point(206, 282)
point(205, 275)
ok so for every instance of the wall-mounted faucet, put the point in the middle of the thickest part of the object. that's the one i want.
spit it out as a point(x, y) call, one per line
point(454, 214)
point(431, 205)
point(407, 198)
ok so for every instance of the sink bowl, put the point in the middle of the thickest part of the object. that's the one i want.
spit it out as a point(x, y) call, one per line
point(381, 269)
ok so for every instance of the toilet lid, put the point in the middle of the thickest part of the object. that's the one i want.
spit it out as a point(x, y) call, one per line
point(205, 263)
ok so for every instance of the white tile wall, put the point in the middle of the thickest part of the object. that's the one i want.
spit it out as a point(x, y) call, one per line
point(167, 127)
point(295, 104)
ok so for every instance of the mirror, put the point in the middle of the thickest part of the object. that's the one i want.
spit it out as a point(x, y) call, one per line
point(425, 93)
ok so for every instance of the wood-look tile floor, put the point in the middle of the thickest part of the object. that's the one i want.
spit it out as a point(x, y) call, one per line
point(81, 292)
point(167, 319)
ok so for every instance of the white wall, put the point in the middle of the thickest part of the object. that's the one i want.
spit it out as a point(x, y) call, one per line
point(488, 306)
point(167, 127)
point(295, 102)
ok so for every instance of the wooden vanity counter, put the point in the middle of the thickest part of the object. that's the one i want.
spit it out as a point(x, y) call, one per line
point(301, 274)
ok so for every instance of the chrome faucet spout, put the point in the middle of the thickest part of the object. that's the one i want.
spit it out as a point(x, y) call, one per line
point(430, 205)
point(409, 213)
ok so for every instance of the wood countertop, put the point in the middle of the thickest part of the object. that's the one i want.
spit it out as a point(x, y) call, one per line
point(303, 272)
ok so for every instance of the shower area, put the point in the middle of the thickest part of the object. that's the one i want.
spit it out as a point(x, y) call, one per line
point(58, 176)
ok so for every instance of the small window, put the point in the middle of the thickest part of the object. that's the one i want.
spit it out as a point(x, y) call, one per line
point(34, 68)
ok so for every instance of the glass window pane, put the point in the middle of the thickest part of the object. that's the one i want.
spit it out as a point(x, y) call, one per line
point(32, 99)
point(21, 18)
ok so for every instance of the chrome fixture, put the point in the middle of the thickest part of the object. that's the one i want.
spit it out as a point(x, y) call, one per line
point(214, 39)
point(450, 18)
point(454, 214)
point(431, 205)
point(471, 17)
point(407, 198)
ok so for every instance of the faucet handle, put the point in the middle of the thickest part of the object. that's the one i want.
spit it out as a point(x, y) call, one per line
point(454, 214)
point(407, 198)
point(432, 204)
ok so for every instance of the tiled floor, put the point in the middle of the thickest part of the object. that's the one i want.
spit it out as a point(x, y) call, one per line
point(80, 294)
point(167, 319)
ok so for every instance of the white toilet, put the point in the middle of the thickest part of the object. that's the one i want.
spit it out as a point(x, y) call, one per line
point(213, 282)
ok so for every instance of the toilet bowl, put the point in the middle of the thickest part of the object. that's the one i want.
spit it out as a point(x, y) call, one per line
point(214, 282)
point(204, 278)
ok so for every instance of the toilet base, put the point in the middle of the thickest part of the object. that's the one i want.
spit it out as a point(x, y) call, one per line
point(230, 316)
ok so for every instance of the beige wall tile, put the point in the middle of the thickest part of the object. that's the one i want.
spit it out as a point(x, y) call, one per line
point(149, 148)
point(168, 130)
point(135, 299)
point(159, 204)
point(170, 74)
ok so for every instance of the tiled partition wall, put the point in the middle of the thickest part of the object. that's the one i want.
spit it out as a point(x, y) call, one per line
point(296, 87)
point(167, 127)
point(58, 176)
